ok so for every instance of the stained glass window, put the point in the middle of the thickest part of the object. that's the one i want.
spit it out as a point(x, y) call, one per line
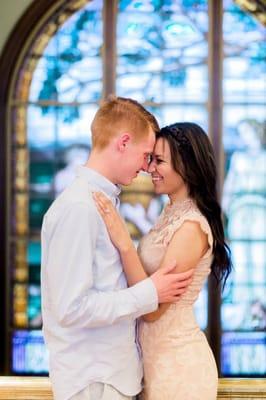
point(162, 52)
point(162, 57)
point(51, 135)
point(244, 195)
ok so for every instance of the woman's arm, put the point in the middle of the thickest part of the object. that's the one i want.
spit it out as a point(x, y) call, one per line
point(133, 268)
point(186, 247)
point(121, 239)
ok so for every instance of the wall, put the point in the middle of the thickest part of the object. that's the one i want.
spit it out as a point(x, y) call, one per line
point(10, 12)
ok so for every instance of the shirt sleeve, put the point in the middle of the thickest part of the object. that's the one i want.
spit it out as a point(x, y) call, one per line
point(70, 245)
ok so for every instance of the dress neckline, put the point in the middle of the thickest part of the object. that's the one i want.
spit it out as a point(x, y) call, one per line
point(178, 204)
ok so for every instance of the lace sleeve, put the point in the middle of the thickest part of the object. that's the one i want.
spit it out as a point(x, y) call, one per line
point(167, 233)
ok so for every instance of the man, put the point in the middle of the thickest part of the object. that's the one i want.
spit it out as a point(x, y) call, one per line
point(88, 311)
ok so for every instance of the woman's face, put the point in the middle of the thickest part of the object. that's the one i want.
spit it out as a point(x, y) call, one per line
point(165, 179)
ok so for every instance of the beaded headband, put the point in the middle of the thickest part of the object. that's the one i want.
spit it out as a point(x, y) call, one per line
point(176, 133)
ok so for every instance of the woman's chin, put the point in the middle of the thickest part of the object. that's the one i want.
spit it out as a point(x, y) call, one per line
point(157, 189)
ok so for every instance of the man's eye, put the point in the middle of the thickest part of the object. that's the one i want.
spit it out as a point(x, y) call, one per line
point(149, 158)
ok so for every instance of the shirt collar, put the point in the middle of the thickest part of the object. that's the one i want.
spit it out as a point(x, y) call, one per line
point(99, 181)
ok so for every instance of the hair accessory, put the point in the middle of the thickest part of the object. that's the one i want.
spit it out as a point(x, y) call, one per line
point(178, 134)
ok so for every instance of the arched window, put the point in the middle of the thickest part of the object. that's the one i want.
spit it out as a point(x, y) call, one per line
point(165, 55)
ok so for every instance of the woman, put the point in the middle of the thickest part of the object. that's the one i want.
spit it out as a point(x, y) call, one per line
point(178, 363)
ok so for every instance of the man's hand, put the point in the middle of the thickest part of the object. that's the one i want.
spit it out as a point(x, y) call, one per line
point(171, 285)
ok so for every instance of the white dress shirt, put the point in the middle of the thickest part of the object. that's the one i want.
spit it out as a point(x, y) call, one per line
point(88, 311)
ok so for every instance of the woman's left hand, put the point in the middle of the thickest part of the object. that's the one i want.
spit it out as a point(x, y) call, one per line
point(115, 225)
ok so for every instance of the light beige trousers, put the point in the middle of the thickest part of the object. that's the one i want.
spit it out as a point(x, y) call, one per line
point(100, 391)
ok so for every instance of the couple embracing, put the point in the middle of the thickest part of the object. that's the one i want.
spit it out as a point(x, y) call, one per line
point(95, 285)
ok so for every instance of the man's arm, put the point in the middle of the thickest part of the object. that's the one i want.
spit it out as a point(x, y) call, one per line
point(70, 249)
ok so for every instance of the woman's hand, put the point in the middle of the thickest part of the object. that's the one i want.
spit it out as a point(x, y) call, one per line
point(114, 223)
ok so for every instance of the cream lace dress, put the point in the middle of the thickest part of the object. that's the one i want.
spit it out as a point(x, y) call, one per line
point(178, 362)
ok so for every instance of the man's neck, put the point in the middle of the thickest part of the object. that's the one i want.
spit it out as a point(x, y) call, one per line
point(98, 161)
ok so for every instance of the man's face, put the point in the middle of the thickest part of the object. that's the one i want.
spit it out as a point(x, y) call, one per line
point(136, 158)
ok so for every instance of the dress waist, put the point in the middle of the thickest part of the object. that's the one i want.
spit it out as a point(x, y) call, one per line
point(178, 322)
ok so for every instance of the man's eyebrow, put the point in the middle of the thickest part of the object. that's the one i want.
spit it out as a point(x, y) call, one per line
point(158, 155)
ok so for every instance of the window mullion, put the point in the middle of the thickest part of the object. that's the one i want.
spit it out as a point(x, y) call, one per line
point(109, 47)
point(215, 107)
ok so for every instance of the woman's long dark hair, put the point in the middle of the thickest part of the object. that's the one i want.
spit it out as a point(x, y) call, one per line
point(193, 158)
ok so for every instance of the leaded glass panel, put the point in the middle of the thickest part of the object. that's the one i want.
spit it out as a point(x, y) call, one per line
point(162, 54)
point(162, 61)
point(244, 193)
point(162, 51)
point(56, 99)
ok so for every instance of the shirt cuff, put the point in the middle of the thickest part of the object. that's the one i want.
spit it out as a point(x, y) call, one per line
point(146, 296)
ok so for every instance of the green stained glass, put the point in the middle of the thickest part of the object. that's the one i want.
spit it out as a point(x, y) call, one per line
point(41, 175)
point(37, 209)
point(34, 306)
point(34, 253)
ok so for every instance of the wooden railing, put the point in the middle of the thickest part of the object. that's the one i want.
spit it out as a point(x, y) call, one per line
point(27, 388)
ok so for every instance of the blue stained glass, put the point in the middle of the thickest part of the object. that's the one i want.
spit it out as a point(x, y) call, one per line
point(191, 4)
point(156, 110)
point(174, 113)
point(179, 31)
point(244, 79)
point(244, 273)
point(194, 53)
point(137, 5)
point(180, 42)
point(34, 306)
point(29, 353)
point(162, 5)
point(77, 131)
point(244, 65)
point(173, 83)
point(70, 68)
point(138, 36)
point(244, 193)
point(72, 156)
point(41, 127)
point(243, 307)
point(234, 115)
point(244, 353)
point(50, 130)
point(237, 22)
point(80, 82)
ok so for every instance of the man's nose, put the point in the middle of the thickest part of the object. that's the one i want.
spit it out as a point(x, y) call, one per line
point(146, 163)
point(151, 167)
point(145, 166)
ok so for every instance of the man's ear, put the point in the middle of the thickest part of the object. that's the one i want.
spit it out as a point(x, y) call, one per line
point(122, 141)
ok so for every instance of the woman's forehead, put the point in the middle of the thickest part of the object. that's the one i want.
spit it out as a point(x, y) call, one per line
point(161, 147)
